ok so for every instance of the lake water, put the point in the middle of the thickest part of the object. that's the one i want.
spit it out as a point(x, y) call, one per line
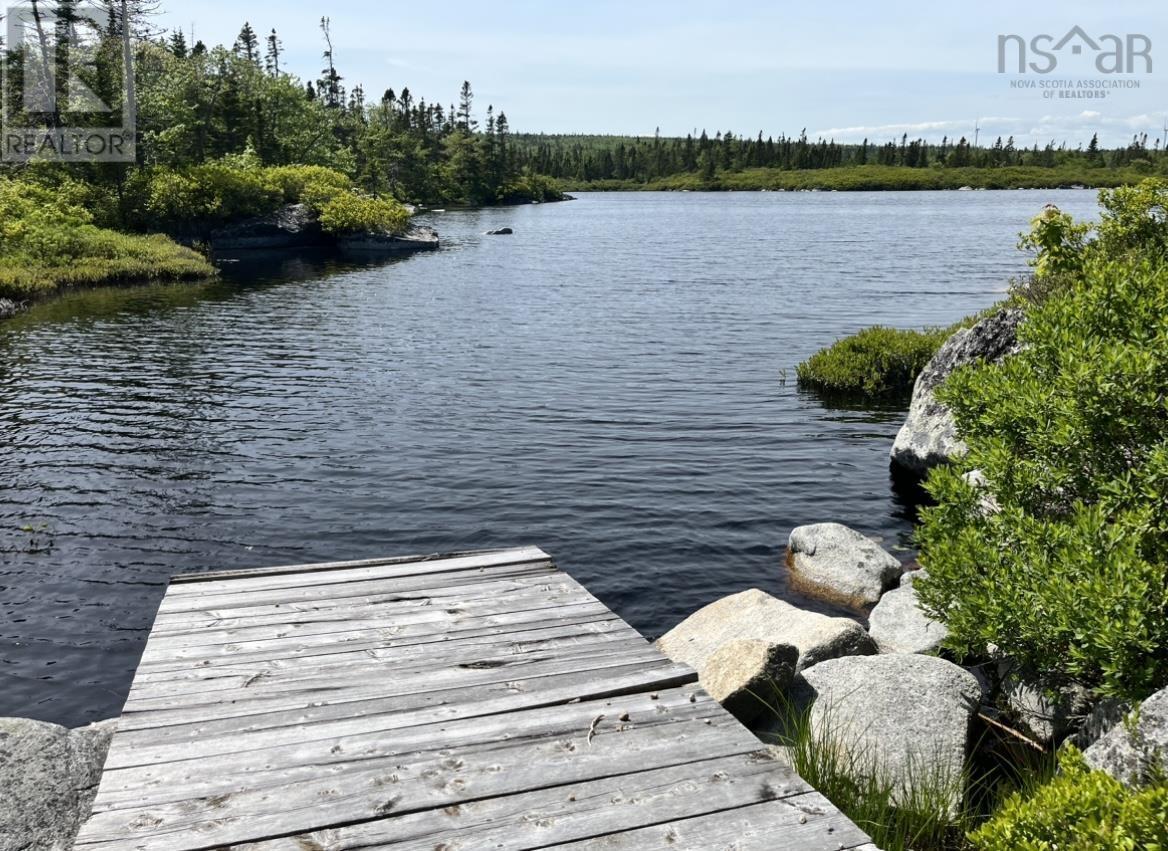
point(613, 383)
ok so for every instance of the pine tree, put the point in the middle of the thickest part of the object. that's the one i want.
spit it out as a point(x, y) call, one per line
point(247, 45)
point(178, 44)
point(465, 101)
point(329, 86)
point(272, 57)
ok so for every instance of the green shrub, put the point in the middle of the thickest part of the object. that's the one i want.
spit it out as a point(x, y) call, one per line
point(1070, 578)
point(1079, 810)
point(529, 187)
point(48, 242)
point(199, 198)
point(313, 185)
point(350, 212)
point(874, 362)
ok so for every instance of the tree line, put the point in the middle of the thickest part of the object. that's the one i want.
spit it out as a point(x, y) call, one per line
point(584, 159)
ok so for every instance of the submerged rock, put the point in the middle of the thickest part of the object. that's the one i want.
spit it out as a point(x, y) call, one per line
point(835, 563)
point(898, 625)
point(756, 615)
point(49, 776)
point(418, 238)
point(929, 436)
point(500, 232)
point(1136, 749)
point(906, 716)
point(291, 226)
point(8, 308)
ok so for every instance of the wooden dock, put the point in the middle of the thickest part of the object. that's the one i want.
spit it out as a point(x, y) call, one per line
point(474, 701)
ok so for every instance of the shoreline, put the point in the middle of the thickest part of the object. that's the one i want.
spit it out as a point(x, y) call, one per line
point(870, 178)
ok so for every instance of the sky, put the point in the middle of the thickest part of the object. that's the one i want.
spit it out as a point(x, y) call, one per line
point(841, 69)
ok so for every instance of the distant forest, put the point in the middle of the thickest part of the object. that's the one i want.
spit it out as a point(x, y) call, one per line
point(200, 105)
point(585, 159)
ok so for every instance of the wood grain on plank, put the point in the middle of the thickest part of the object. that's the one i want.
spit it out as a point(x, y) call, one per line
point(482, 700)
point(576, 811)
point(423, 563)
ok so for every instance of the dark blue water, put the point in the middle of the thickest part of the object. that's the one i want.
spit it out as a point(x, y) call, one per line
point(613, 383)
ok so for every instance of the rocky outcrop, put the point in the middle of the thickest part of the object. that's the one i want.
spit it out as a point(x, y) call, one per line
point(291, 226)
point(755, 615)
point(1048, 718)
point(898, 625)
point(835, 563)
point(907, 716)
point(418, 238)
point(929, 436)
point(747, 675)
point(8, 308)
point(1136, 749)
point(49, 777)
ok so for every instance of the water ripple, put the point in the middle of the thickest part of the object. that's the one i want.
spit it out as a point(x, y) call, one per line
point(606, 383)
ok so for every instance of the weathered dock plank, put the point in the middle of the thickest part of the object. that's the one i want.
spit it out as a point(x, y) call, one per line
point(483, 700)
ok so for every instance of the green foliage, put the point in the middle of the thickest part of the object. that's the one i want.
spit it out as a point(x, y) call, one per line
point(1058, 242)
point(1079, 810)
point(199, 198)
point(49, 243)
point(870, 178)
point(1135, 219)
point(351, 212)
point(873, 362)
point(1070, 577)
point(528, 187)
point(308, 184)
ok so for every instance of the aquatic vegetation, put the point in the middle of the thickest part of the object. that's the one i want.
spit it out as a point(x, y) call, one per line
point(875, 361)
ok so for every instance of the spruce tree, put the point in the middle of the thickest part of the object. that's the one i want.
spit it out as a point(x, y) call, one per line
point(178, 44)
point(247, 45)
point(272, 57)
point(465, 101)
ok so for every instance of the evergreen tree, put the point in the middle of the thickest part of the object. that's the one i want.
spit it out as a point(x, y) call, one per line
point(247, 45)
point(465, 101)
point(178, 44)
point(329, 86)
point(1093, 149)
point(274, 51)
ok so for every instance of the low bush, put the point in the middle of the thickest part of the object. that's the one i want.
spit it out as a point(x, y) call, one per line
point(350, 212)
point(197, 199)
point(1079, 810)
point(1070, 577)
point(876, 361)
point(529, 187)
point(308, 184)
point(47, 242)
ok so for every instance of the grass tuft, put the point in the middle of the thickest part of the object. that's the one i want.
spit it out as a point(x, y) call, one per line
point(877, 361)
point(925, 810)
